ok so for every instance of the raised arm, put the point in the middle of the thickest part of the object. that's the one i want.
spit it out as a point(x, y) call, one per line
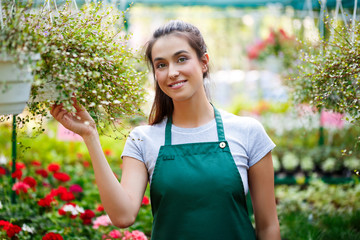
point(261, 185)
point(121, 201)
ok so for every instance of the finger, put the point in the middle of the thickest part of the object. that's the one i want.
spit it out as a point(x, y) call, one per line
point(52, 107)
point(56, 110)
point(76, 105)
point(62, 114)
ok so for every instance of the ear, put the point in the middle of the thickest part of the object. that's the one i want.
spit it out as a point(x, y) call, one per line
point(205, 61)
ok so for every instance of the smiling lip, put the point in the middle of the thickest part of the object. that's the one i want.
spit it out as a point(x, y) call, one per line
point(177, 84)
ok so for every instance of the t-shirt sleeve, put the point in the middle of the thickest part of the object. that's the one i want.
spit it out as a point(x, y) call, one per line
point(259, 143)
point(132, 146)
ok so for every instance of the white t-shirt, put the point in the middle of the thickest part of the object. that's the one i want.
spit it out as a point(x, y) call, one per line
point(247, 140)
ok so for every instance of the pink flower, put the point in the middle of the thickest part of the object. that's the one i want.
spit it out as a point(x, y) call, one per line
point(103, 220)
point(331, 119)
point(115, 234)
point(20, 187)
point(134, 235)
point(253, 51)
point(75, 188)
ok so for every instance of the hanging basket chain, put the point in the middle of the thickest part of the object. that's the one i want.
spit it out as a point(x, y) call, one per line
point(354, 21)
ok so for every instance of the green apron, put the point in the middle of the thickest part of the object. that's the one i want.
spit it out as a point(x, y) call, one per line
point(197, 192)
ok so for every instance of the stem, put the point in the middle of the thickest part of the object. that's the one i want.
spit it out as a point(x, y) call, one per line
point(13, 155)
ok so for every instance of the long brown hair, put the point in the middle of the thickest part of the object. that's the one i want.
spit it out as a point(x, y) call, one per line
point(163, 105)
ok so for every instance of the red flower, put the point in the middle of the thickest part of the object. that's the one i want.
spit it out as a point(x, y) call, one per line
point(53, 167)
point(67, 196)
point(254, 50)
point(100, 208)
point(30, 181)
point(108, 152)
point(87, 216)
point(19, 165)
point(58, 191)
point(86, 164)
point(36, 163)
point(46, 201)
point(145, 201)
point(79, 155)
point(3, 223)
point(11, 229)
point(52, 236)
point(20, 187)
point(2, 171)
point(42, 172)
point(17, 174)
point(63, 177)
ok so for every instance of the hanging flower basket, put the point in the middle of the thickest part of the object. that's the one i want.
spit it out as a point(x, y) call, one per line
point(15, 85)
point(18, 53)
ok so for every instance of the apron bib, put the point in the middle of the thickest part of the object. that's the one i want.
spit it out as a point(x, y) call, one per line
point(197, 193)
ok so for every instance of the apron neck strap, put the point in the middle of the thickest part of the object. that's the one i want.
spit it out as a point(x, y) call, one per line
point(219, 126)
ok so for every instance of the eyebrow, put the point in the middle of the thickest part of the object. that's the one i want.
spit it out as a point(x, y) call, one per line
point(175, 54)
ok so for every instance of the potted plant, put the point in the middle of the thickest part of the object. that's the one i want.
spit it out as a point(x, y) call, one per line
point(329, 74)
point(18, 48)
point(85, 56)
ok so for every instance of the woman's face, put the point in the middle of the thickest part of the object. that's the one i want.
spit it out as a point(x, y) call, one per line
point(177, 68)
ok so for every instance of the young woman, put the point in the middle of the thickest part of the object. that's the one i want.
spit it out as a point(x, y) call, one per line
point(200, 161)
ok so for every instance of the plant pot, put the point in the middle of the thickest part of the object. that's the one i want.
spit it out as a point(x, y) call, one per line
point(15, 84)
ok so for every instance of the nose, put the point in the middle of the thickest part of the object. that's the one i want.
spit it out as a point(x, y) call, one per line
point(173, 71)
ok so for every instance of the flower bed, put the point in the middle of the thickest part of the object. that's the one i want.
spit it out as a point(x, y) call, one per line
point(58, 200)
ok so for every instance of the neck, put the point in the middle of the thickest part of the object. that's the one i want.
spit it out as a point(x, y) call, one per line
point(192, 114)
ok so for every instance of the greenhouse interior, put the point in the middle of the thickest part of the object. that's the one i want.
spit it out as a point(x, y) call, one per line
point(289, 67)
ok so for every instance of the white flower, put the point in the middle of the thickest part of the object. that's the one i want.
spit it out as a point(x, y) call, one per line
point(329, 164)
point(290, 161)
point(1, 205)
point(27, 228)
point(307, 163)
point(79, 209)
point(73, 210)
point(352, 163)
point(116, 101)
point(3, 159)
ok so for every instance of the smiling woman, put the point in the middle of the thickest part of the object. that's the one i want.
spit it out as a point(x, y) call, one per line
point(178, 71)
point(200, 161)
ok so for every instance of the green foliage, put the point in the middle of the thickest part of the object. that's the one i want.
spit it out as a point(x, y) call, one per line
point(17, 39)
point(74, 161)
point(84, 57)
point(319, 211)
point(329, 74)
